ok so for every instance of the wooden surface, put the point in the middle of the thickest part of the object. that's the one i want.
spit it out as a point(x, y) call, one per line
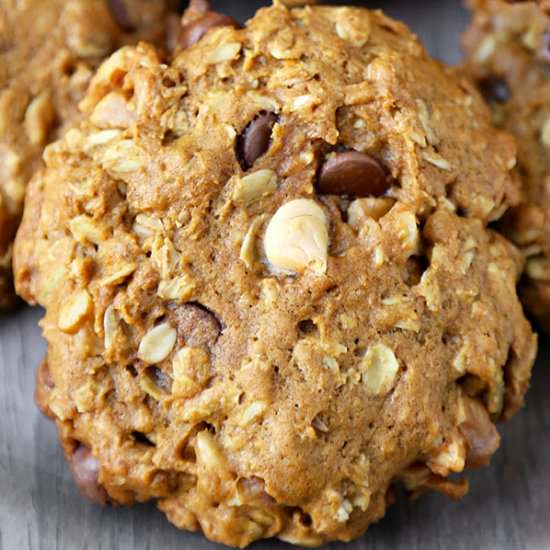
point(508, 507)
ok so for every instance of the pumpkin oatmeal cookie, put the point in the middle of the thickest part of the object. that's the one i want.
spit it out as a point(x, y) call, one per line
point(509, 57)
point(48, 51)
point(270, 287)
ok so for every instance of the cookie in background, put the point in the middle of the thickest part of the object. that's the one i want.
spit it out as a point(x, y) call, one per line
point(48, 51)
point(508, 49)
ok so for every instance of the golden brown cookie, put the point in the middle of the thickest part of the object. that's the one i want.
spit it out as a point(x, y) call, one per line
point(269, 284)
point(48, 49)
point(509, 57)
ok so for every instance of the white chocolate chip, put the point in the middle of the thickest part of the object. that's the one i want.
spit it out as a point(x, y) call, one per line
point(297, 237)
point(157, 344)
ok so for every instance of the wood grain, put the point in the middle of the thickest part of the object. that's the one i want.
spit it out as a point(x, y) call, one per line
point(507, 509)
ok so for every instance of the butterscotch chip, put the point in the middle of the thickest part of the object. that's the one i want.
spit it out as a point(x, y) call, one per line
point(260, 356)
point(507, 46)
point(48, 51)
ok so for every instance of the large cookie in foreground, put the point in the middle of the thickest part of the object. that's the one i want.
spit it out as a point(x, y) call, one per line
point(48, 51)
point(269, 284)
point(509, 57)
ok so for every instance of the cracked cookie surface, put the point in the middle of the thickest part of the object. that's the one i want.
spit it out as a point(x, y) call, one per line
point(48, 51)
point(509, 57)
point(269, 284)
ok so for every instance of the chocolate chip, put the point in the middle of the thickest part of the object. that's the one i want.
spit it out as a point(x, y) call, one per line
point(352, 173)
point(85, 468)
point(120, 13)
point(255, 140)
point(192, 32)
point(494, 89)
point(197, 326)
point(480, 433)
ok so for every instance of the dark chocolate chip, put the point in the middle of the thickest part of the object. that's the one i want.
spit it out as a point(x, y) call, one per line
point(352, 173)
point(119, 11)
point(494, 90)
point(255, 140)
point(85, 468)
point(192, 32)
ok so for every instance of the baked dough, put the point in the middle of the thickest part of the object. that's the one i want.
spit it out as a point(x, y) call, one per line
point(269, 284)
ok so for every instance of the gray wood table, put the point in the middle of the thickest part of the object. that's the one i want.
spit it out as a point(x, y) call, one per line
point(40, 509)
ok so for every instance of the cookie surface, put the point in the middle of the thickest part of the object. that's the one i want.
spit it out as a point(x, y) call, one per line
point(509, 57)
point(269, 284)
point(48, 50)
